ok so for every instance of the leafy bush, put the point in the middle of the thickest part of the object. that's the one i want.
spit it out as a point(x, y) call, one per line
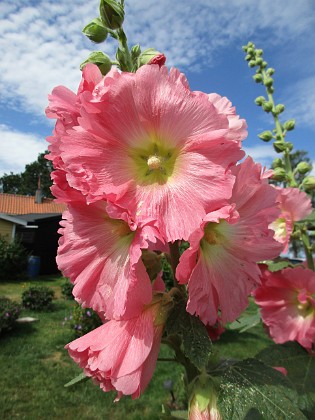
point(83, 320)
point(13, 259)
point(9, 312)
point(37, 298)
point(66, 289)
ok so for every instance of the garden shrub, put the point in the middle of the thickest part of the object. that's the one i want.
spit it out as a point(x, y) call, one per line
point(84, 320)
point(13, 259)
point(37, 298)
point(66, 289)
point(9, 312)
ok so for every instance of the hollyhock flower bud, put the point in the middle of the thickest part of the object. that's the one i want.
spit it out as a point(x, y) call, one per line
point(221, 264)
point(287, 304)
point(304, 167)
point(151, 56)
point(102, 61)
point(203, 400)
point(309, 183)
point(112, 14)
point(295, 205)
point(121, 355)
point(95, 31)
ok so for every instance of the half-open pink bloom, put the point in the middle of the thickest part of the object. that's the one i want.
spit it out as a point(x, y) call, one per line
point(121, 355)
point(221, 264)
point(295, 205)
point(149, 144)
point(100, 252)
point(287, 304)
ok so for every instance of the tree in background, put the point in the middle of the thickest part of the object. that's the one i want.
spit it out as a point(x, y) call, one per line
point(26, 183)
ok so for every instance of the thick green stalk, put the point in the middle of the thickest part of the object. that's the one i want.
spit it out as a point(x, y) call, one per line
point(307, 248)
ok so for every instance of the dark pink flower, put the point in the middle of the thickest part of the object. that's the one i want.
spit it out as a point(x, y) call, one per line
point(221, 264)
point(287, 304)
point(121, 355)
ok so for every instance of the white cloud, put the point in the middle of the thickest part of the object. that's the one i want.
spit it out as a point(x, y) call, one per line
point(301, 101)
point(18, 149)
point(263, 154)
point(42, 46)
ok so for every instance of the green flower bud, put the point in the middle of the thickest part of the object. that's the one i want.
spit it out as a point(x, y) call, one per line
point(259, 61)
point(112, 14)
point(289, 146)
point(251, 45)
point(270, 71)
point(121, 58)
point(270, 89)
point(135, 52)
point(268, 82)
point(279, 174)
point(279, 146)
point(252, 63)
point(260, 100)
point(277, 163)
point(245, 48)
point(248, 57)
point(309, 183)
point(289, 125)
point(304, 167)
point(264, 64)
point(267, 106)
point(266, 136)
point(250, 50)
point(258, 78)
point(100, 59)
point(259, 52)
point(95, 31)
point(279, 108)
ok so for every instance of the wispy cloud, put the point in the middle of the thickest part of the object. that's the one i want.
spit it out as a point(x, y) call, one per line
point(301, 101)
point(18, 149)
point(263, 154)
point(42, 46)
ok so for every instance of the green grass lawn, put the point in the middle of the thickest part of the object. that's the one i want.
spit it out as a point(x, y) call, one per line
point(35, 367)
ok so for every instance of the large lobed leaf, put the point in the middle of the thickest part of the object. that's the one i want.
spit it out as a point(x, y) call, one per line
point(301, 371)
point(252, 390)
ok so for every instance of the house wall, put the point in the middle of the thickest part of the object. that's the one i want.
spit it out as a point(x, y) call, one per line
point(7, 229)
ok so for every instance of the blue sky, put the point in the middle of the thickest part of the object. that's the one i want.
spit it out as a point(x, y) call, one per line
point(42, 46)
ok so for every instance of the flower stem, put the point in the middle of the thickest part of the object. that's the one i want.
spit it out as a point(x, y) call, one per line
point(307, 249)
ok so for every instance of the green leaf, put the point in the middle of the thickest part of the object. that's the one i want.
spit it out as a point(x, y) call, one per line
point(196, 343)
point(301, 371)
point(245, 322)
point(252, 390)
point(78, 379)
point(278, 265)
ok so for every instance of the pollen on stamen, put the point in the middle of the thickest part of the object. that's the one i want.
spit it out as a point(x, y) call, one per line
point(154, 162)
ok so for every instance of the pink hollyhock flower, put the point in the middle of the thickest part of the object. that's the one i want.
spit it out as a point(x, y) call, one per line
point(221, 264)
point(149, 144)
point(121, 355)
point(100, 251)
point(295, 205)
point(287, 304)
point(281, 370)
point(224, 106)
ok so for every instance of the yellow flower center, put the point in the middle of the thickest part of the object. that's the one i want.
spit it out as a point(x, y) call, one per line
point(154, 162)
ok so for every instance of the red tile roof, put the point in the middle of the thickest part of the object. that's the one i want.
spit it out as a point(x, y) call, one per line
point(22, 204)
